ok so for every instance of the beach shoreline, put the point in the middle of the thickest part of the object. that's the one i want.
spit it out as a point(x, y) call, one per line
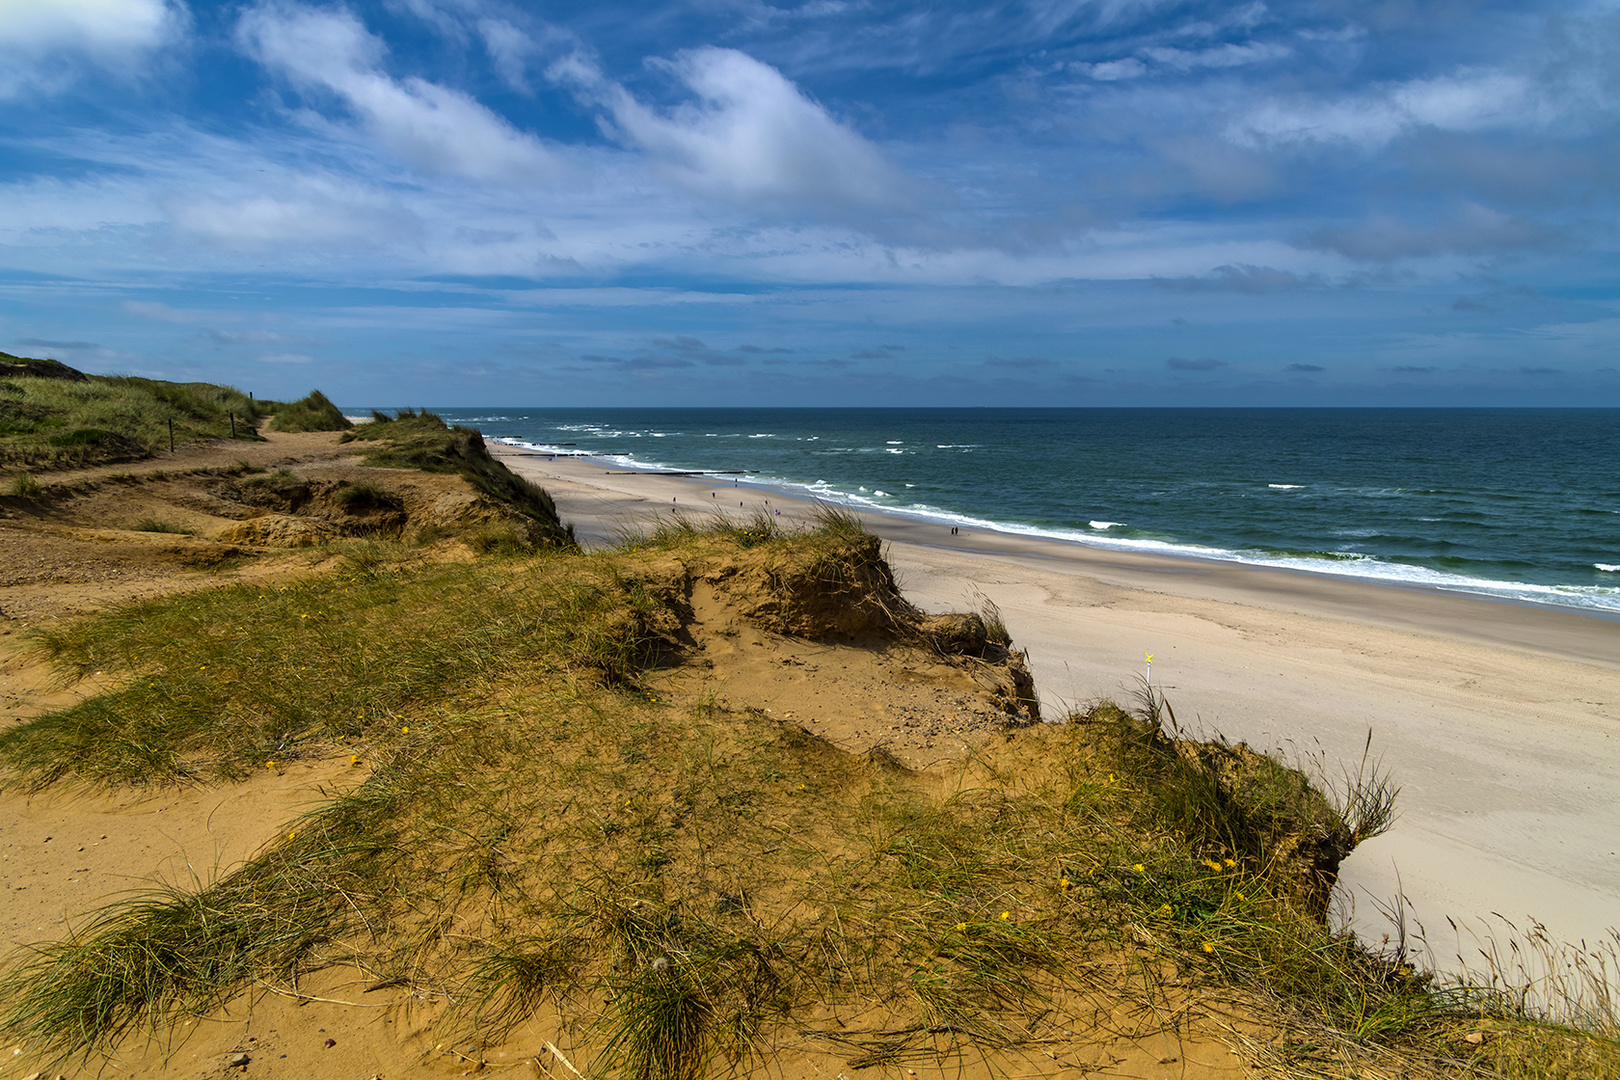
point(1499, 720)
point(1440, 527)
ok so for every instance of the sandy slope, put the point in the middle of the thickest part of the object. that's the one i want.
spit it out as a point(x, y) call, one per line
point(1501, 722)
point(67, 851)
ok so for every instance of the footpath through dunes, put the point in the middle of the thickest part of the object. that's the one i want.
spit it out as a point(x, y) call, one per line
point(77, 539)
point(564, 822)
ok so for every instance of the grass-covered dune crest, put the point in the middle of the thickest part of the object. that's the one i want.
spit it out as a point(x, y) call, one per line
point(312, 413)
point(51, 420)
point(422, 440)
point(242, 488)
point(576, 840)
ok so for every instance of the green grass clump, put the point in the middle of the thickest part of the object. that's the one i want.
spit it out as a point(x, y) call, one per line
point(25, 486)
point(312, 413)
point(689, 889)
point(422, 440)
point(176, 952)
point(54, 422)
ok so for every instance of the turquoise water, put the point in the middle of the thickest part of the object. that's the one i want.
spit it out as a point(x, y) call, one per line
point(1520, 504)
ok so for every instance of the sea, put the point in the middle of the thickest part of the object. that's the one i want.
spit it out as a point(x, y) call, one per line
point(1518, 504)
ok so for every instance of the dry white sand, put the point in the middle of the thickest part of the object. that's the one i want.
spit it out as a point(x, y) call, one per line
point(1499, 721)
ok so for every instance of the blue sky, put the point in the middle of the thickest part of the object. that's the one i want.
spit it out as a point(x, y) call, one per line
point(832, 202)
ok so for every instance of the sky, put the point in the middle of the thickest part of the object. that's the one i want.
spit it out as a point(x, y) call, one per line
point(831, 202)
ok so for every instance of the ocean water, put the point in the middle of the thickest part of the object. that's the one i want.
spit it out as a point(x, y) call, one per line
point(1517, 504)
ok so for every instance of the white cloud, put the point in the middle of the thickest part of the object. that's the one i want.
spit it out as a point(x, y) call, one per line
point(1221, 56)
point(97, 26)
point(509, 49)
point(1453, 103)
point(1115, 70)
point(159, 312)
point(431, 126)
point(752, 138)
point(304, 211)
point(1471, 230)
point(36, 35)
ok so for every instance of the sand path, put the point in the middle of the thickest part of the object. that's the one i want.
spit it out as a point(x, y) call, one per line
point(1500, 721)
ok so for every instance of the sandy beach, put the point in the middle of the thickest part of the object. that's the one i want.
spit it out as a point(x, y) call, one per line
point(1500, 722)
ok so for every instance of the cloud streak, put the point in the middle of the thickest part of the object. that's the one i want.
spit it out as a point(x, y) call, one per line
point(748, 135)
point(428, 125)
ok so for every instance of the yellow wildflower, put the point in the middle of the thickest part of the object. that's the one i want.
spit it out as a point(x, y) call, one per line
point(961, 926)
point(1139, 868)
point(1166, 910)
point(1005, 915)
point(1209, 946)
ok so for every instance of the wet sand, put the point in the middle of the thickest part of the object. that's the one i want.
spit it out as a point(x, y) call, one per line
point(1499, 721)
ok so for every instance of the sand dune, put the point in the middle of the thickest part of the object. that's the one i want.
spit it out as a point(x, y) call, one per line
point(1500, 722)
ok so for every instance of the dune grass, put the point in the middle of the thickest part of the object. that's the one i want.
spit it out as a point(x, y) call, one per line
point(691, 888)
point(51, 423)
point(312, 413)
point(422, 440)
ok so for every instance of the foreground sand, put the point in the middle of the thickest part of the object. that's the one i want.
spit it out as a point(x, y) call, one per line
point(1500, 722)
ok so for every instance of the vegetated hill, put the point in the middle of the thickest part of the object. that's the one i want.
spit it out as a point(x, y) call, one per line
point(422, 440)
point(580, 839)
point(218, 504)
point(53, 416)
point(63, 418)
point(39, 369)
point(312, 413)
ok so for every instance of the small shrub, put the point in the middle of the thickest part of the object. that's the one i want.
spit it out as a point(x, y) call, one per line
point(24, 486)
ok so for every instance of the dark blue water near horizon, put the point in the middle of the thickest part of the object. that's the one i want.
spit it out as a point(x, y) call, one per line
point(1517, 503)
